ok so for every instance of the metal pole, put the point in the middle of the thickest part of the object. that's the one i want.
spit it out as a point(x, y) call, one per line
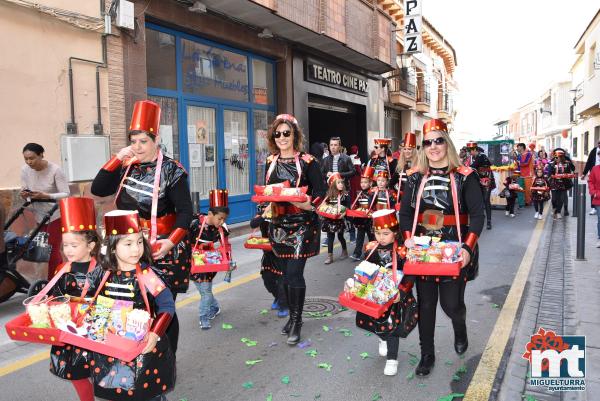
point(581, 222)
point(575, 197)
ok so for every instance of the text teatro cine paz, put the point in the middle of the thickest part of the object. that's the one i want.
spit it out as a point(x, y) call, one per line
point(339, 78)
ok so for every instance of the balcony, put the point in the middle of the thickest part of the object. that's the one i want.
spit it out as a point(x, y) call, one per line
point(402, 90)
point(423, 97)
point(588, 96)
point(445, 107)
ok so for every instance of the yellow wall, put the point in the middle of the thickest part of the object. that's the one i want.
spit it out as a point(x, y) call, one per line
point(34, 105)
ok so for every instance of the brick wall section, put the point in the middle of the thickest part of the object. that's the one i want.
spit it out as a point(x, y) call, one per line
point(116, 94)
point(385, 35)
point(360, 22)
point(272, 4)
point(302, 12)
point(335, 21)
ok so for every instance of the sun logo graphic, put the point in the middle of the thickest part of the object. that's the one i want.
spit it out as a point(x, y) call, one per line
point(557, 362)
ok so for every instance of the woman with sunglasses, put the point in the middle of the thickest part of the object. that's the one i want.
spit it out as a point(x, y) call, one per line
point(295, 230)
point(383, 159)
point(407, 160)
point(445, 180)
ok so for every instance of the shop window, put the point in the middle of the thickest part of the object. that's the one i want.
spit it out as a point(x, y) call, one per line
point(161, 67)
point(202, 144)
point(210, 71)
point(235, 134)
point(262, 119)
point(169, 130)
point(596, 135)
point(586, 143)
point(575, 147)
point(262, 80)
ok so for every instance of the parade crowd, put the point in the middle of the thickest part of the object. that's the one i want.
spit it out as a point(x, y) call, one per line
point(148, 249)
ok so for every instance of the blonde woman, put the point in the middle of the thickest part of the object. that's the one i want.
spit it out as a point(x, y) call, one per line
point(407, 160)
point(445, 179)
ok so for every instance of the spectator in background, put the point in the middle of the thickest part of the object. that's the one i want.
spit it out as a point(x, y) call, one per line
point(355, 180)
point(594, 188)
point(41, 179)
point(592, 160)
point(325, 150)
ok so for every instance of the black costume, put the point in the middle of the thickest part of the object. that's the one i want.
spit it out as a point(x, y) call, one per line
point(560, 186)
point(174, 212)
point(148, 375)
point(540, 197)
point(70, 362)
point(510, 195)
point(437, 199)
point(388, 164)
point(482, 165)
point(363, 226)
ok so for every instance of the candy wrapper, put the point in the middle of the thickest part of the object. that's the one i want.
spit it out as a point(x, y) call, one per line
point(366, 272)
point(100, 317)
point(137, 325)
point(432, 250)
point(381, 287)
point(118, 314)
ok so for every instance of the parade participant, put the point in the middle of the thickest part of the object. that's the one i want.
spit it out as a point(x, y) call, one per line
point(525, 163)
point(558, 167)
point(442, 181)
point(592, 160)
point(145, 180)
point(295, 230)
point(539, 196)
point(126, 274)
point(509, 193)
point(381, 196)
point(355, 180)
point(481, 164)
point(407, 159)
point(80, 244)
point(269, 270)
point(41, 179)
point(594, 181)
point(383, 159)
point(363, 225)
point(210, 228)
point(336, 196)
point(381, 251)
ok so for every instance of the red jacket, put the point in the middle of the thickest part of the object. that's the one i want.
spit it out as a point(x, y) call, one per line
point(594, 184)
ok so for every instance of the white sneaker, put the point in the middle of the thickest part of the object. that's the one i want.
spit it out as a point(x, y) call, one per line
point(598, 244)
point(537, 215)
point(391, 367)
point(506, 213)
point(512, 215)
point(558, 216)
point(540, 217)
point(383, 349)
point(592, 212)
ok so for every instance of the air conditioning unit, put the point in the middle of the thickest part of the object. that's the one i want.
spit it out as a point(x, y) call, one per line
point(125, 15)
point(83, 156)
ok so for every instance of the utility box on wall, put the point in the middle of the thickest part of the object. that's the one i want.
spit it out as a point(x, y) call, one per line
point(83, 156)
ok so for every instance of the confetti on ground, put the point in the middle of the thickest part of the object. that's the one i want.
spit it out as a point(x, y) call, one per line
point(459, 373)
point(462, 356)
point(296, 395)
point(319, 315)
point(367, 334)
point(264, 312)
point(455, 378)
point(422, 385)
point(325, 366)
point(528, 397)
point(451, 397)
point(227, 326)
point(249, 342)
point(348, 358)
point(312, 353)
point(462, 370)
point(248, 385)
point(376, 397)
point(364, 355)
point(253, 362)
point(326, 329)
point(305, 344)
point(495, 306)
point(285, 380)
point(413, 360)
point(410, 376)
point(350, 371)
point(343, 308)
point(345, 332)
point(269, 397)
point(449, 363)
point(317, 396)
point(273, 344)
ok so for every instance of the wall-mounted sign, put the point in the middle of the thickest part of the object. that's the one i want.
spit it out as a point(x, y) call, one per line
point(413, 25)
point(335, 77)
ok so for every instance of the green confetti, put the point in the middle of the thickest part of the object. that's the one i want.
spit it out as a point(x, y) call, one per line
point(422, 385)
point(317, 396)
point(326, 329)
point(449, 363)
point(325, 366)
point(312, 353)
point(410, 376)
point(495, 306)
point(285, 380)
point(248, 342)
point(348, 358)
point(319, 315)
point(227, 326)
point(295, 395)
point(248, 385)
point(264, 312)
point(269, 397)
point(411, 355)
point(343, 308)
point(350, 371)
point(463, 356)
point(253, 362)
point(413, 360)
point(451, 397)
point(462, 370)
point(345, 332)
point(367, 334)
point(364, 355)
point(528, 397)
point(455, 378)
point(376, 397)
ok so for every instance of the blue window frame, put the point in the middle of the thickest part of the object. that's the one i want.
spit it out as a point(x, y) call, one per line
point(242, 208)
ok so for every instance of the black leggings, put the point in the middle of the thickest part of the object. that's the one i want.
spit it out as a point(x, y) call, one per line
point(539, 206)
point(360, 240)
point(331, 237)
point(487, 203)
point(393, 344)
point(558, 199)
point(452, 300)
point(173, 330)
point(510, 204)
point(274, 284)
point(293, 272)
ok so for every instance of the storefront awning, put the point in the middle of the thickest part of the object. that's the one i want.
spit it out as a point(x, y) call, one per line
point(261, 17)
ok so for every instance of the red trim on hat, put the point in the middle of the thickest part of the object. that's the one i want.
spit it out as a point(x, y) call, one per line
point(434, 125)
point(145, 117)
point(77, 214)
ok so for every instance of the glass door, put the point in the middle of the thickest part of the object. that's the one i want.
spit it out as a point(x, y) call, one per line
point(202, 149)
point(237, 158)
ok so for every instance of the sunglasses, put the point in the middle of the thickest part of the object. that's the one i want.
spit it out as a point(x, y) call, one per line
point(376, 147)
point(286, 133)
point(438, 141)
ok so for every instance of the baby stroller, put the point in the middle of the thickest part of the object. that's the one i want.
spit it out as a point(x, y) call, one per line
point(33, 247)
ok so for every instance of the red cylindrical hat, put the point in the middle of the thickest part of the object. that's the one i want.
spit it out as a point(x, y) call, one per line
point(383, 141)
point(333, 177)
point(381, 173)
point(145, 117)
point(77, 214)
point(122, 222)
point(471, 145)
point(384, 218)
point(516, 173)
point(532, 146)
point(218, 197)
point(434, 125)
point(368, 172)
point(410, 140)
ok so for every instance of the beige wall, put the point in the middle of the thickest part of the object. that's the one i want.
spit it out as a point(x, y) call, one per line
point(34, 101)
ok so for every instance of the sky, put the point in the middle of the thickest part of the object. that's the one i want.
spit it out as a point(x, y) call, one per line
point(509, 52)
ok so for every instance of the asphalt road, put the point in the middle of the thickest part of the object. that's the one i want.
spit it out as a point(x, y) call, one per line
point(212, 364)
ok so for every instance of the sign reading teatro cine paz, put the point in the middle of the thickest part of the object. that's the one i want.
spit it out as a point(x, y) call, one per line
point(332, 76)
point(413, 25)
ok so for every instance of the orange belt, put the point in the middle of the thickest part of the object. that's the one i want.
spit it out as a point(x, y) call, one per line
point(164, 224)
point(449, 219)
point(281, 210)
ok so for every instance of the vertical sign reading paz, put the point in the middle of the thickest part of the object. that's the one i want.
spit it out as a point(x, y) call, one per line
point(413, 41)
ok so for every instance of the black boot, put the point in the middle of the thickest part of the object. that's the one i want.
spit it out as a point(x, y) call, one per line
point(286, 329)
point(489, 225)
point(425, 365)
point(296, 305)
point(461, 342)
